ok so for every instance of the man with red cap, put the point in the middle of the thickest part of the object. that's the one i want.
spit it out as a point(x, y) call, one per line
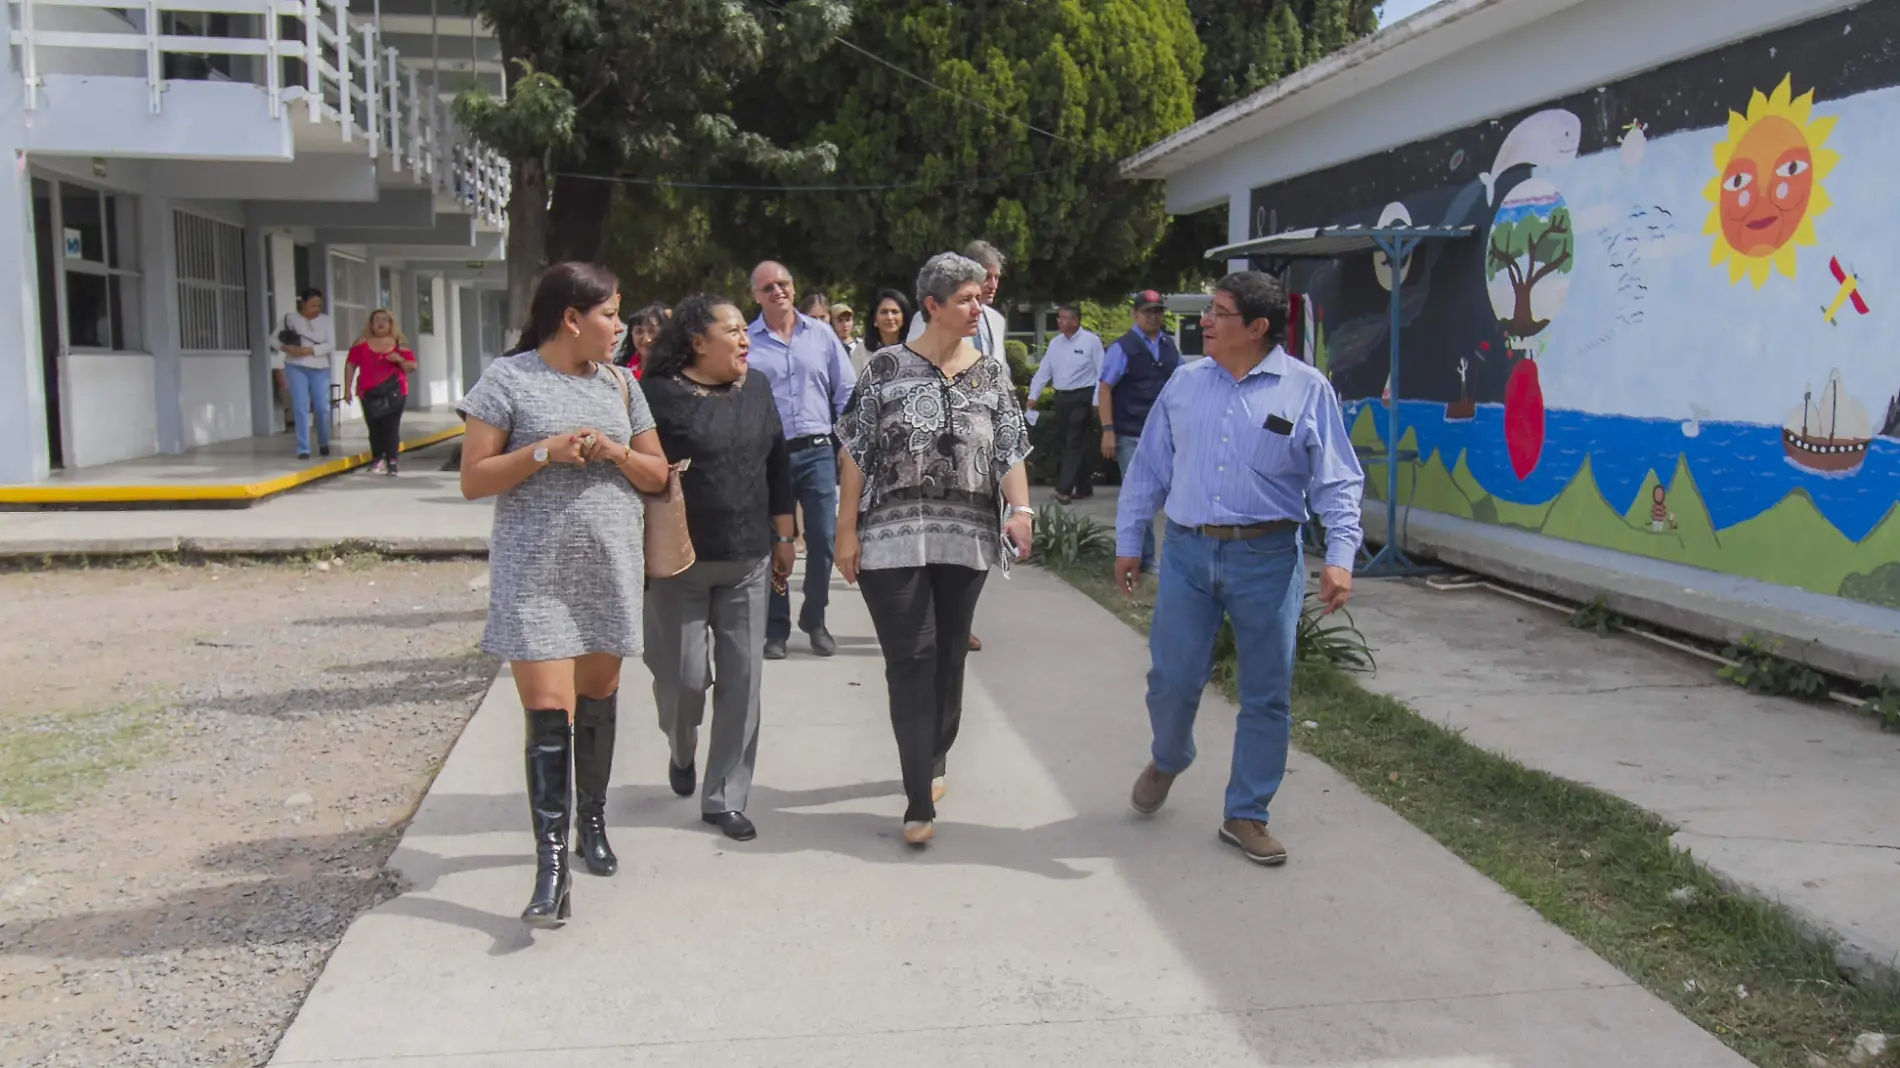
point(1134, 369)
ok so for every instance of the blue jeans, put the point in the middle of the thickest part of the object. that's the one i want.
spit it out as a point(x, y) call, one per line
point(1259, 585)
point(1125, 455)
point(309, 396)
point(815, 484)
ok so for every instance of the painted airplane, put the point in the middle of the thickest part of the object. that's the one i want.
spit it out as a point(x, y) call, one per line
point(1848, 293)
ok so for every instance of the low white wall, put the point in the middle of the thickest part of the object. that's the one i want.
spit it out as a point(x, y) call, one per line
point(111, 408)
point(214, 396)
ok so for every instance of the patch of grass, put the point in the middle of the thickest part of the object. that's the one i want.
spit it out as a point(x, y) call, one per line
point(52, 762)
point(1594, 865)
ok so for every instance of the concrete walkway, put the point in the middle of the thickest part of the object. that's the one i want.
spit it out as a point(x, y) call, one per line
point(1792, 801)
point(1046, 925)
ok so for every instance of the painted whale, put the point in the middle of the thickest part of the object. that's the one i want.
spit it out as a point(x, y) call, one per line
point(1544, 139)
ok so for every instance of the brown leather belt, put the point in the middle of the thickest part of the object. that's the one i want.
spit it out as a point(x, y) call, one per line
point(1246, 533)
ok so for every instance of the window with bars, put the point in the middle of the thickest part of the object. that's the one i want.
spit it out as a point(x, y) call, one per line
point(211, 313)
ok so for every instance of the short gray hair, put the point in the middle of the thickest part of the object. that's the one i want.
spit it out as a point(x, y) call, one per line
point(944, 274)
point(986, 254)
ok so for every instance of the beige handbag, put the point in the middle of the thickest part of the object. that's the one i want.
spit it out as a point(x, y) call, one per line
point(669, 545)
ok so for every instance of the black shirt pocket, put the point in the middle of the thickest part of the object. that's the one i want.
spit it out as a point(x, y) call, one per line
point(1275, 456)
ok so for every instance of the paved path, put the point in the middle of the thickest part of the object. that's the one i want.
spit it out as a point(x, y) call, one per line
point(1046, 925)
point(1793, 801)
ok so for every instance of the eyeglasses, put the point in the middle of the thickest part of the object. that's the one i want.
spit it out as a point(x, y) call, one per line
point(1216, 313)
point(773, 287)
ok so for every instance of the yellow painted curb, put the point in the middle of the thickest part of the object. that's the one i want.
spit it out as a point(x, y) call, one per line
point(254, 491)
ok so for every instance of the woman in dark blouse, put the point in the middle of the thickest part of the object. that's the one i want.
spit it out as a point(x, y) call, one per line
point(738, 490)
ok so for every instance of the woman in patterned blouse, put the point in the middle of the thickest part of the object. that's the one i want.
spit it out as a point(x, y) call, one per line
point(931, 495)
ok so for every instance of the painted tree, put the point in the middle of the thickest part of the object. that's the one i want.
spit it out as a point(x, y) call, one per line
point(1106, 77)
point(1528, 249)
point(627, 87)
point(1250, 44)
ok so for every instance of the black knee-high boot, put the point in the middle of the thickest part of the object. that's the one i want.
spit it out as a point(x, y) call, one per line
point(594, 721)
point(549, 756)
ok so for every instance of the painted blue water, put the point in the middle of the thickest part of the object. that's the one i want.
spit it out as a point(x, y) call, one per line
point(1739, 468)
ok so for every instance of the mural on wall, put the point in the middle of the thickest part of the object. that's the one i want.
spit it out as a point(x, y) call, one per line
point(1590, 366)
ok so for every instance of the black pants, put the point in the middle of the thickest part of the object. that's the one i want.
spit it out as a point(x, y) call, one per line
point(922, 615)
point(1072, 411)
point(385, 435)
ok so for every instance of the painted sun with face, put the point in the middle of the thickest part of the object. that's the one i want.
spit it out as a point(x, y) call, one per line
point(1767, 190)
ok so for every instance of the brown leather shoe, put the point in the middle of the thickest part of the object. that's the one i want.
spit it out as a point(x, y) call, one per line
point(976, 644)
point(1254, 842)
point(1151, 790)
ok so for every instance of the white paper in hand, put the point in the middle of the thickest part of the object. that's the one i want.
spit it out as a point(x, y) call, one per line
point(1031, 416)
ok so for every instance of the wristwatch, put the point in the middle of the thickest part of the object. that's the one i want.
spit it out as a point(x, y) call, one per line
point(782, 540)
point(540, 454)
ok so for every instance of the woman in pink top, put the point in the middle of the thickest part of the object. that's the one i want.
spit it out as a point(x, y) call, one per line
point(377, 371)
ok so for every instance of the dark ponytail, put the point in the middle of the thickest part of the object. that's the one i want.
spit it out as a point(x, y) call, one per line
point(560, 287)
point(673, 350)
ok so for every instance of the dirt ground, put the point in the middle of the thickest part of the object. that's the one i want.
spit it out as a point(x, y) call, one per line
point(202, 770)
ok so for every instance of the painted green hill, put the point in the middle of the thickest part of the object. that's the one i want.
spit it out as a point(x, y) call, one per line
point(1792, 543)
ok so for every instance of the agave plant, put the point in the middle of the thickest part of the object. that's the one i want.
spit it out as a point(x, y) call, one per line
point(1332, 640)
point(1065, 539)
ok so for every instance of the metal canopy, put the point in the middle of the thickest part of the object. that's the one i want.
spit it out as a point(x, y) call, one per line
point(1333, 242)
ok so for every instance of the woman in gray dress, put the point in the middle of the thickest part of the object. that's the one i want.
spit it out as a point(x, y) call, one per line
point(556, 435)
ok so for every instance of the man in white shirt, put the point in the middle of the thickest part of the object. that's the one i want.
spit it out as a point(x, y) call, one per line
point(1073, 365)
point(990, 332)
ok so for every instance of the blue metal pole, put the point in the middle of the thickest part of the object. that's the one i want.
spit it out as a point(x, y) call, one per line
point(1395, 257)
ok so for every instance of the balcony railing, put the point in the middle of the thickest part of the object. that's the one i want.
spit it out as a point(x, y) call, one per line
point(307, 54)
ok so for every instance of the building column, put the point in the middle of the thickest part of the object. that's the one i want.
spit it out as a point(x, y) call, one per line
point(407, 312)
point(1240, 224)
point(451, 328)
point(264, 320)
point(24, 456)
point(158, 255)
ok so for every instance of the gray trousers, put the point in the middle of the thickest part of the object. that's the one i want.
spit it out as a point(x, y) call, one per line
point(726, 600)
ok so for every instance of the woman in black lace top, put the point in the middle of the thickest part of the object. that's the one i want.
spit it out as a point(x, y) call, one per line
point(739, 503)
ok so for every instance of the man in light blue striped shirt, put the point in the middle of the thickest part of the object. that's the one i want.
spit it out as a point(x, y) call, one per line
point(1236, 445)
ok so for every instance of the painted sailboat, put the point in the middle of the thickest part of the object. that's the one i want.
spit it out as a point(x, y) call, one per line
point(1828, 433)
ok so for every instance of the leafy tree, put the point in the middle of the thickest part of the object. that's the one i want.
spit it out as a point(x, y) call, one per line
point(1250, 44)
point(1528, 249)
point(1105, 77)
point(627, 87)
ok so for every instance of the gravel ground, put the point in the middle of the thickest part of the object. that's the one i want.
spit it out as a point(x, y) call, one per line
point(209, 766)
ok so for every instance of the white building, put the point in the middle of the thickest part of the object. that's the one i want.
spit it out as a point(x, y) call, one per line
point(182, 167)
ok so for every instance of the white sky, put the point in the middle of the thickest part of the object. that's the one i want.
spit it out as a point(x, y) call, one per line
point(1394, 10)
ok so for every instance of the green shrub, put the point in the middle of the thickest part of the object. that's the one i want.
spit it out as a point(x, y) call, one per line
point(1065, 539)
point(1760, 668)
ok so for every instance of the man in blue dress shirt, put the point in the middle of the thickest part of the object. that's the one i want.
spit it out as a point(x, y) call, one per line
point(811, 378)
point(1234, 447)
